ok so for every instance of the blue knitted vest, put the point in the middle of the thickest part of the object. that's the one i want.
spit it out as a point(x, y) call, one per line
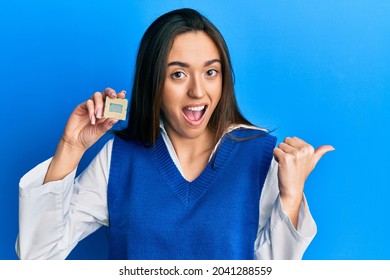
point(154, 213)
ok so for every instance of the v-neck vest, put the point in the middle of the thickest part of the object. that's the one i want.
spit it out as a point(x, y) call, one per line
point(155, 213)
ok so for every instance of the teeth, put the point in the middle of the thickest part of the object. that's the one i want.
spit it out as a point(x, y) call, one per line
point(197, 108)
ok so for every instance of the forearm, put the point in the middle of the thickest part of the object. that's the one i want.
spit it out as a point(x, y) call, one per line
point(278, 239)
point(65, 160)
point(291, 205)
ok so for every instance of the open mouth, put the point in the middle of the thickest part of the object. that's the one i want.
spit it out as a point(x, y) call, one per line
point(194, 114)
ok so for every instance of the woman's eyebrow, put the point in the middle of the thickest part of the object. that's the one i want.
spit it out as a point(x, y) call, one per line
point(179, 63)
point(208, 63)
point(186, 65)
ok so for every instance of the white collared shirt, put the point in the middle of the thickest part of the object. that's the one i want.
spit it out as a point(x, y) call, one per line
point(55, 216)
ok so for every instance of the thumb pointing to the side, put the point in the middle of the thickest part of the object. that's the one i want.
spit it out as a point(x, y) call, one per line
point(320, 151)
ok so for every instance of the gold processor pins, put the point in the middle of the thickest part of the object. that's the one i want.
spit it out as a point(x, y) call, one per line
point(115, 108)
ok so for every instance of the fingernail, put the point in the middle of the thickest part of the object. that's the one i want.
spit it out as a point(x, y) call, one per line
point(93, 119)
point(123, 91)
point(99, 113)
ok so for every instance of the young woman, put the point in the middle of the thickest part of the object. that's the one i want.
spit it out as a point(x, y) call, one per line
point(189, 178)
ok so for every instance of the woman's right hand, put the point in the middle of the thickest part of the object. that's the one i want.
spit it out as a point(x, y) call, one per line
point(84, 127)
point(86, 123)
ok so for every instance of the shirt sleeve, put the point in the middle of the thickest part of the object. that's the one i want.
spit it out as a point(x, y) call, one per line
point(54, 217)
point(277, 238)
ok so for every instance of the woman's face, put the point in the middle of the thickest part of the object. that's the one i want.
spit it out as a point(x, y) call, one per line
point(193, 85)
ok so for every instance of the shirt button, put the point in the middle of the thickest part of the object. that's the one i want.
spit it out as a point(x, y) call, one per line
point(58, 189)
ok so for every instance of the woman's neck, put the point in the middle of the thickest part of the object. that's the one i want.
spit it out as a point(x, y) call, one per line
point(193, 153)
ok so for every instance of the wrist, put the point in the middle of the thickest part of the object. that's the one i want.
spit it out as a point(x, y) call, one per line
point(290, 205)
point(293, 199)
point(70, 148)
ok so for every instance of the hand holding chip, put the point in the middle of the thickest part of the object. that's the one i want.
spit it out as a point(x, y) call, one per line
point(85, 126)
point(93, 118)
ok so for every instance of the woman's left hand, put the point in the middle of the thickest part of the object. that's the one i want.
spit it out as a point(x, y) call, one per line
point(296, 160)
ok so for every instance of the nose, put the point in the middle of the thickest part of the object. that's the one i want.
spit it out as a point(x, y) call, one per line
point(196, 88)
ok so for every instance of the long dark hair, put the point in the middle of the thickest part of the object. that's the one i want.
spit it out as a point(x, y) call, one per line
point(150, 72)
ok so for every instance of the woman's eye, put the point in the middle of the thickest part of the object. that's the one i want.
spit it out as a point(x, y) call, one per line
point(178, 75)
point(212, 73)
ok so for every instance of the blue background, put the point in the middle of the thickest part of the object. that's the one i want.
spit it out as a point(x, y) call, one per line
point(314, 69)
